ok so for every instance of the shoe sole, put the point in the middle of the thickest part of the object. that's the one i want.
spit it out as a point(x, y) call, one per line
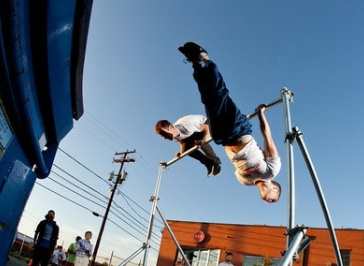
point(183, 49)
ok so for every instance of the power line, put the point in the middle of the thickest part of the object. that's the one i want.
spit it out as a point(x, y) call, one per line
point(93, 212)
point(113, 222)
point(82, 165)
point(74, 191)
point(83, 183)
point(132, 219)
point(58, 194)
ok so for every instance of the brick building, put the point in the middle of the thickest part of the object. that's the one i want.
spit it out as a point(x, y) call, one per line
point(206, 244)
point(23, 245)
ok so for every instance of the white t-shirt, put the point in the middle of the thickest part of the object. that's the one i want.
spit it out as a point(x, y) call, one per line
point(188, 125)
point(224, 263)
point(251, 165)
point(59, 256)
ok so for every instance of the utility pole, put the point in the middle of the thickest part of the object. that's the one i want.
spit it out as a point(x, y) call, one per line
point(119, 180)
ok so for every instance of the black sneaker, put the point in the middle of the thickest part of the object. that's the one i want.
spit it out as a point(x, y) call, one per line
point(217, 169)
point(193, 52)
point(210, 169)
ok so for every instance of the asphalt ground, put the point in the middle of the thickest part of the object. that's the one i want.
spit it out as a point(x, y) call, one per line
point(15, 262)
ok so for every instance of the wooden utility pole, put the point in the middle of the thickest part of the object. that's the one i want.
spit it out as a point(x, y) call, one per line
point(119, 180)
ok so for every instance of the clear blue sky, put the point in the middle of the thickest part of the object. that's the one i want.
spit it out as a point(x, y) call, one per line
point(134, 76)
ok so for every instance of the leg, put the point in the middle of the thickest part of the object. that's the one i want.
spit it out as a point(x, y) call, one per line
point(201, 158)
point(209, 152)
point(46, 256)
point(207, 149)
point(36, 256)
point(227, 123)
point(188, 143)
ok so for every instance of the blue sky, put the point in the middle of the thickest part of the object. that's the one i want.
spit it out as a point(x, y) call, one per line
point(134, 76)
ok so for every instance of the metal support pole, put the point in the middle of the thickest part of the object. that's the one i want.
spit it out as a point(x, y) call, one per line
point(319, 192)
point(173, 237)
point(267, 107)
point(112, 254)
point(132, 256)
point(175, 159)
point(304, 244)
point(154, 199)
point(118, 181)
point(287, 259)
point(287, 97)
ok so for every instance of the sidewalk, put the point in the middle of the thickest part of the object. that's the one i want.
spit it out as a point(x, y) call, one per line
point(15, 262)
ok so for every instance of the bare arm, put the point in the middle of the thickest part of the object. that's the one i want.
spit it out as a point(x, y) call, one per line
point(270, 149)
point(182, 149)
point(205, 131)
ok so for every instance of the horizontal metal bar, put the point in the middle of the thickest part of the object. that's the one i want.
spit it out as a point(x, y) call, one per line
point(268, 106)
point(175, 159)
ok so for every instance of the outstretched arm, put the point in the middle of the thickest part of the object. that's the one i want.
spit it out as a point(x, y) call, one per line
point(270, 149)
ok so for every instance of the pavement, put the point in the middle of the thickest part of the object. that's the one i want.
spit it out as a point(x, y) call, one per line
point(15, 262)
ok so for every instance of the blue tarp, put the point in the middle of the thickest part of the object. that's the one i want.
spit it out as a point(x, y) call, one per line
point(42, 50)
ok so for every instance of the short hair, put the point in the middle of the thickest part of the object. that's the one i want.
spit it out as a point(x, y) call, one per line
point(78, 238)
point(46, 216)
point(228, 254)
point(279, 188)
point(88, 232)
point(160, 125)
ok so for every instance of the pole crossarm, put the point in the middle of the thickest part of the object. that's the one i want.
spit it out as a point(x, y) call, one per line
point(125, 152)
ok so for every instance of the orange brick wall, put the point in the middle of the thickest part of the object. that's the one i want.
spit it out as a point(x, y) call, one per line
point(257, 240)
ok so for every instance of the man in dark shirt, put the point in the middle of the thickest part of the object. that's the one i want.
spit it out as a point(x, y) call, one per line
point(45, 239)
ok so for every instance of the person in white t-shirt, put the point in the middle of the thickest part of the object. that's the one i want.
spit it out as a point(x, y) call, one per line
point(58, 256)
point(228, 259)
point(189, 131)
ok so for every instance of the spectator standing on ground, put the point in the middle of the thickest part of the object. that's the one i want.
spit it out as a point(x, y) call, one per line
point(71, 252)
point(45, 239)
point(84, 250)
point(58, 256)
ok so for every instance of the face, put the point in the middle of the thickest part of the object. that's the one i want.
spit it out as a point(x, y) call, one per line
point(169, 132)
point(88, 236)
point(270, 195)
point(51, 215)
point(229, 258)
point(166, 135)
point(270, 192)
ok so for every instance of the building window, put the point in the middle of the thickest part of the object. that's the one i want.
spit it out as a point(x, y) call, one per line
point(201, 257)
point(346, 257)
